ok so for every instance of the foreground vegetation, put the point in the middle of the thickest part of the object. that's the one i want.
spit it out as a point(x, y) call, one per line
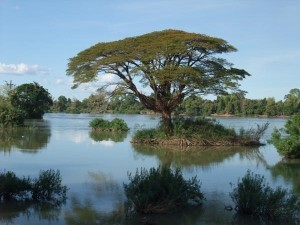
point(287, 140)
point(253, 196)
point(200, 132)
point(161, 190)
point(46, 188)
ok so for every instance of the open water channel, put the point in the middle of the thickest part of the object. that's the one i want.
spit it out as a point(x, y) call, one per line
point(94, 168)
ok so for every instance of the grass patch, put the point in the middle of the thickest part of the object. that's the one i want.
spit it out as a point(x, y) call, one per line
point(160, 190)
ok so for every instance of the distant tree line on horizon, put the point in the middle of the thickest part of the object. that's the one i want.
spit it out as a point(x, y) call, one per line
point(101, 102)
point(233, 104)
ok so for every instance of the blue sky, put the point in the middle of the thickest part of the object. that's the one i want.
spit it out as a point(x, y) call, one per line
point(38, 37)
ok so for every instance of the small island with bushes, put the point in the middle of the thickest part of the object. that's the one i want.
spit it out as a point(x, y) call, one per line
point(200, 132)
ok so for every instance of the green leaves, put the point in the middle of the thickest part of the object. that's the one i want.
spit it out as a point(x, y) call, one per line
point(31, 98)
point(287, 141)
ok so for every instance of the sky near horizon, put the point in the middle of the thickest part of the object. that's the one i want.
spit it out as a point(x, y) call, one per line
point(38, 37)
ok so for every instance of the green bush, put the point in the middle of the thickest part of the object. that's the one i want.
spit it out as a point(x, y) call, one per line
point(46, 188)
point(10, 116)
point(287, 141)
point(253, 196)
point(116, 125)
point(160, 190)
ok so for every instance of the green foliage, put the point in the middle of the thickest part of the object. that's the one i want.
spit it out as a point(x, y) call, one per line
point(31, 98)
point(149, 134)
point(201, 128)
point(10, 116)
point(287, 141)
point(116, 125)
point(161, 190)
point(253, 196)
point(46, 188)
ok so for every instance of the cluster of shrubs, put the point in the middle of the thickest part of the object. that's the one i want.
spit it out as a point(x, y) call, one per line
point(116, 125)
point(161, 190)
point(46, 188)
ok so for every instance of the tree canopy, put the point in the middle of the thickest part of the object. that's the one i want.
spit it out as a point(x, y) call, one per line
point(173, 64)
point(32, 99)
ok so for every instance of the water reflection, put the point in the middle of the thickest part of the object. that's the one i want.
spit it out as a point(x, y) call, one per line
point(102, 136)
point(290, 171)
point(198, 156)
point(84, 213)
point(102, 184)
point(9, 212)
point(25, 139)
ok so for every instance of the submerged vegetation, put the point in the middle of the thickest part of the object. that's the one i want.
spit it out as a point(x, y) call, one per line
point(161, 190)
point(46, 188)
point(116, 125)
point(287, 140)
point(200, 132)
point(253, 196)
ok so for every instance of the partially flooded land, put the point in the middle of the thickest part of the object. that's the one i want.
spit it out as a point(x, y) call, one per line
point(95, 166)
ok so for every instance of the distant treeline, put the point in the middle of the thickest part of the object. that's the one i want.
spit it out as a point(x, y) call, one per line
point(234, 104)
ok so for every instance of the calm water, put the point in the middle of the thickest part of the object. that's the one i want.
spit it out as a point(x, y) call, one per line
point(94, 167)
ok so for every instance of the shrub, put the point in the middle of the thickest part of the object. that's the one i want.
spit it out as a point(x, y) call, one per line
point(10, 116)
point(47, 187)
point(253, 196)
point(253, 134)
point(13, 187)
point(160, 190)
point(116, 124)
point(287, 141)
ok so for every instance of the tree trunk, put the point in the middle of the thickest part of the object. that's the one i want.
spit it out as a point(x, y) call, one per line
point(167, 122)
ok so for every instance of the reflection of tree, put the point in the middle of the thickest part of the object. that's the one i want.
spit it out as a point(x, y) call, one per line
point(44, 211)
point(290, 171)
point(103, 183)
point(27, 139)
point(200, 156)
point(84, 213)
point(108, 136)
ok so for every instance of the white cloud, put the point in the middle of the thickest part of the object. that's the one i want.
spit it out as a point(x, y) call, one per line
point(59, 81)
point(22, 69)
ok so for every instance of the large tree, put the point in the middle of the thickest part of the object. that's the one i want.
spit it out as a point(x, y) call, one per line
point(172, 63)
point(32, 99)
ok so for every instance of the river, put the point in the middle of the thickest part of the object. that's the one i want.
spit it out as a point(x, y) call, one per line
point(94, 168)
